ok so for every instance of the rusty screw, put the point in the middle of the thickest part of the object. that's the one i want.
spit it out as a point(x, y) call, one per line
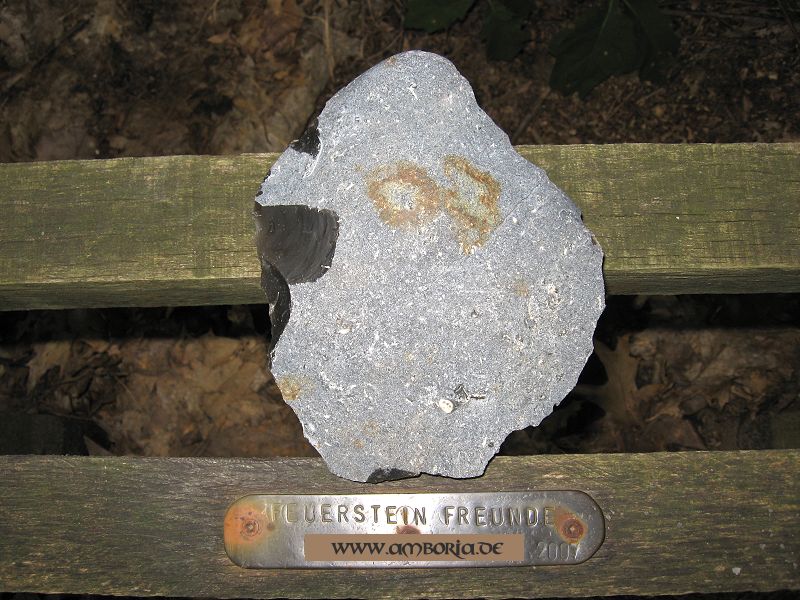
point(250, 527)
point(572, 529)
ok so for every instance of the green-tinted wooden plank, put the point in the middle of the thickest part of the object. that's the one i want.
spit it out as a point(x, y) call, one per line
point(129, 232)
point(178, 230)
point(675, 523)
point(687, 218)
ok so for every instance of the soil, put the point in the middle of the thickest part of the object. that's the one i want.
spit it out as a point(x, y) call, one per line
point(111, 78)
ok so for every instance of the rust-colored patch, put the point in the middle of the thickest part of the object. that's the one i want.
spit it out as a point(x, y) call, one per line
point(291, 387)
point(472, 201)
point(404, 194)
point(521, 288)
point(569, 526)
point(245, 524)
point(358, 444)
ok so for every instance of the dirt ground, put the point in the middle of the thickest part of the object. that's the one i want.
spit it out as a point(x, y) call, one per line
point(110, 78)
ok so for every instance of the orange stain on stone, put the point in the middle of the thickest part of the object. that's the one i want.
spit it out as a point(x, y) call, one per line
point(521, 288)
point(405, 195)
point(472, 202)
point(291, 387)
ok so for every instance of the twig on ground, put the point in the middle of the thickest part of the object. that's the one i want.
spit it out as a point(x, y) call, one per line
point(326, 37)
point(11, 82)
point(526, 121)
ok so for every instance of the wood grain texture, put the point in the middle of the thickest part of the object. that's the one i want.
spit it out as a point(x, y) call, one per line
point(675, 523)
point(178, 230)
point(687, 218)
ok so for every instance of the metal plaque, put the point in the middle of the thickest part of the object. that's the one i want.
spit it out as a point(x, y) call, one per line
point(413, 530)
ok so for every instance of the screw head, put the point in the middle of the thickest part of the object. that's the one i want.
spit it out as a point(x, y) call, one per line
point(251, 527)
point(572, 529)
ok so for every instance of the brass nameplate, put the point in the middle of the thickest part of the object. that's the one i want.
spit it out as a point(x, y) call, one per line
point(413, 530)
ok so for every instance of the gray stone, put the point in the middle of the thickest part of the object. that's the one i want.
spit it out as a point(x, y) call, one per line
point(443, 291)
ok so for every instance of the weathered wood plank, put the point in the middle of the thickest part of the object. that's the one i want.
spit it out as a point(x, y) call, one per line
point(676, 523)
point(178, 230)
point(687, 218)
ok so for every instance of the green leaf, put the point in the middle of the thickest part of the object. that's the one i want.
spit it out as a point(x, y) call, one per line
point(433, 15)
point(660, 41)
point(656, 25)
point(603, 43)
point(503, 29)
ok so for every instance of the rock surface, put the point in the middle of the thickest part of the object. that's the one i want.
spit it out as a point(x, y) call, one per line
point(443, 291)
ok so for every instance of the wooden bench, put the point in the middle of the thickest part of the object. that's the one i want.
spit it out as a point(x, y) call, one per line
point(177, 231)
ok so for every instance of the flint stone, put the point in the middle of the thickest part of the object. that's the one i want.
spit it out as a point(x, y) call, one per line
point(443, 291)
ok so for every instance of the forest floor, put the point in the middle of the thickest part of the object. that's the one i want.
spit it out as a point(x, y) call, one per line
point(111, 78)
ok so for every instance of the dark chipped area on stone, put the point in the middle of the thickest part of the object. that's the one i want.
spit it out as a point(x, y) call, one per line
point(279, 300)
point(298, 241)
point(295, 244)
point(309, 141)
point(380, 475)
